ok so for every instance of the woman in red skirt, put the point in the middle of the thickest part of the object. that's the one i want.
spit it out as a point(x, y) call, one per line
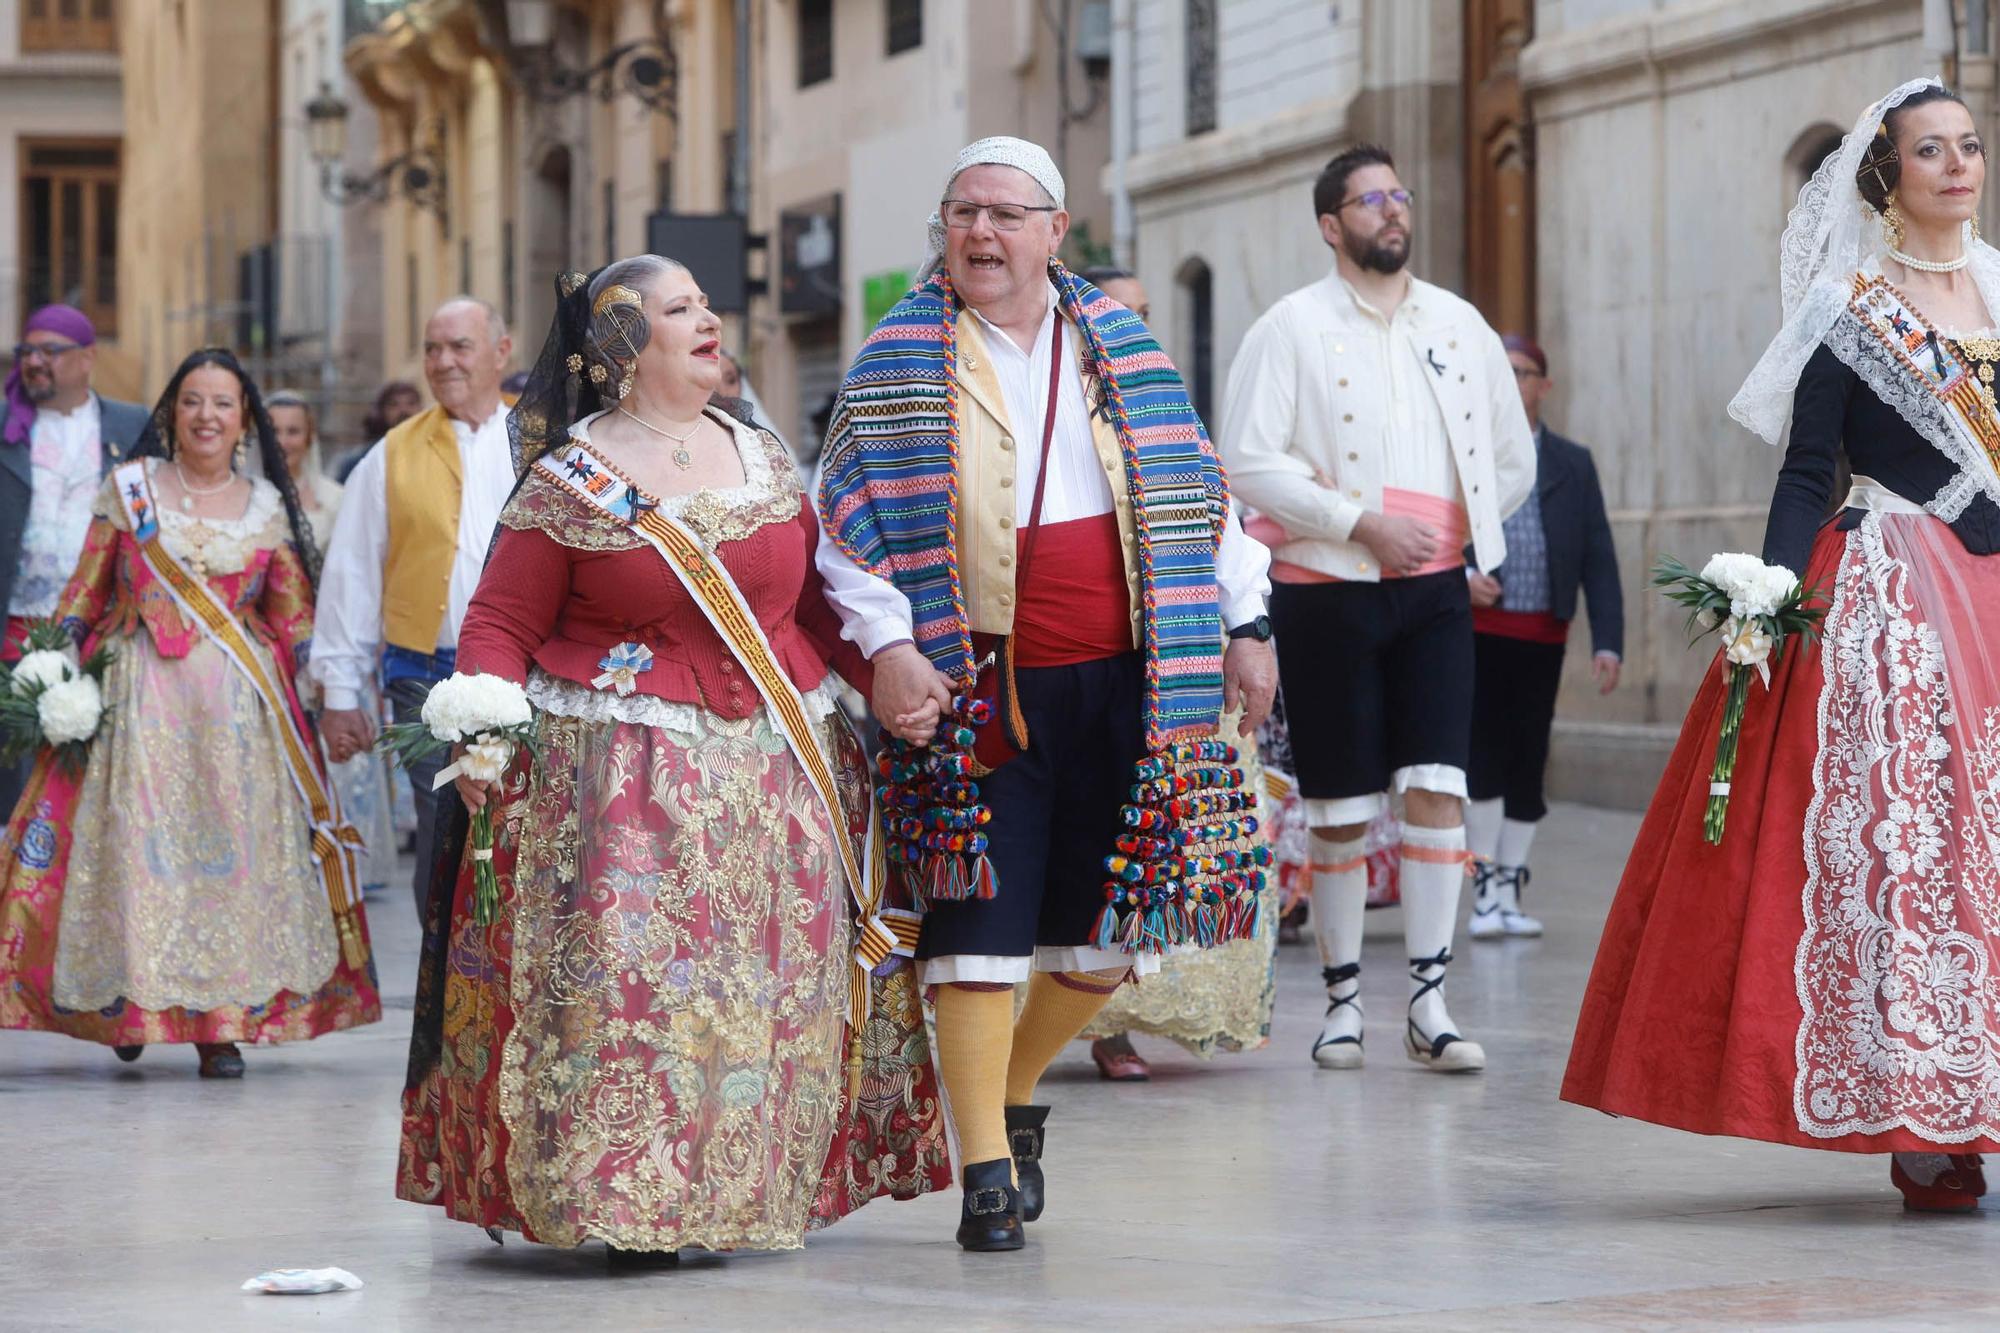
point(1829, 975)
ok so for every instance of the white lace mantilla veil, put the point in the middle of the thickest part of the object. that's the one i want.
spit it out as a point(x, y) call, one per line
point(1832, 234)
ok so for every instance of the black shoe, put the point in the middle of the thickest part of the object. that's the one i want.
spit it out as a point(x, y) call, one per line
point(128, 1053)
point(990, 1216)
point(639, 1261)
point(1024, 1140)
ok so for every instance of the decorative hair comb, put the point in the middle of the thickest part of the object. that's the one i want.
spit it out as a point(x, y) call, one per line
point(616, 294)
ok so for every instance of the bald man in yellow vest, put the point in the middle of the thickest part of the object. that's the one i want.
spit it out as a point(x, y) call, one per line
point(409, 544)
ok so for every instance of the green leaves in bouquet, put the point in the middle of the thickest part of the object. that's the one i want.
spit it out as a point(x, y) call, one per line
point(20, 710)
point(1797, 620)
point(1691, 590)
point(409, 742)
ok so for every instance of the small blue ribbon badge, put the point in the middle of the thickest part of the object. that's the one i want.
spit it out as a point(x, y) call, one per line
point(622, 666)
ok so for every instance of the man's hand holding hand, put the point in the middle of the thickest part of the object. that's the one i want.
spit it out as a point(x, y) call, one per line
point(910, 694)
point(347, 731)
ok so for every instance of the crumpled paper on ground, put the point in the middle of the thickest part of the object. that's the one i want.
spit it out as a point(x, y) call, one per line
point(303, 1281)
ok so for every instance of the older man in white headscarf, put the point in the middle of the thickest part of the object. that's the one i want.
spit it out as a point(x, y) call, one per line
point(1006, 460)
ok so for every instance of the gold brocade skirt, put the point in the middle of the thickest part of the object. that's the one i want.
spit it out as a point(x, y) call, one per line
point(191, 882)
point(670, 1061)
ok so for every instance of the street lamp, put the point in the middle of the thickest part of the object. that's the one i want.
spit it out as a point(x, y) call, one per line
point(418, 174)
point(644, 70)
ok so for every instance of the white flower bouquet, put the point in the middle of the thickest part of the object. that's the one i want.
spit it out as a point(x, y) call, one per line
point(51, 698)
point(1760, 609)
point(491, 718)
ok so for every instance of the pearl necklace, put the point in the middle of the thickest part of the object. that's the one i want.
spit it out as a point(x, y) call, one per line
point(189, 490)
point(1930, 265)
point(682, 458)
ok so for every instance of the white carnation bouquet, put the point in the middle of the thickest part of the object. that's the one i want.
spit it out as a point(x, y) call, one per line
point(490, 717)
point(52, 698)
point(1760, 609)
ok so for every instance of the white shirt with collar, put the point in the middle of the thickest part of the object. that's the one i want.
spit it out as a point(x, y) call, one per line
point(347, 634)
point(66, 453)
point(1424, 401)
point(876, 614)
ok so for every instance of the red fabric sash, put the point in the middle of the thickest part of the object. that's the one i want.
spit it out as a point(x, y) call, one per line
point(1074, 606)
point(1526, 626)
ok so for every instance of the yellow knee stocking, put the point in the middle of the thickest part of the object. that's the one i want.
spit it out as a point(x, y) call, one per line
point(974, 1031)
point(1059, 1005)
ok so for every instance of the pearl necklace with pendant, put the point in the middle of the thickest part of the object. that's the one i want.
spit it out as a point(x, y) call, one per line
point(189, 491)
point(682, 458)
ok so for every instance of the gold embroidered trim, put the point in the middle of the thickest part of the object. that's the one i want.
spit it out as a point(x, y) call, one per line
point(770, 494)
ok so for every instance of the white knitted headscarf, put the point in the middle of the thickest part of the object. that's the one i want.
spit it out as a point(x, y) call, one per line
point(1001, 150)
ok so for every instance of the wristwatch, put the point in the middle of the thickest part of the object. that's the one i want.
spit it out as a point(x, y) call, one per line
point(1258, 629)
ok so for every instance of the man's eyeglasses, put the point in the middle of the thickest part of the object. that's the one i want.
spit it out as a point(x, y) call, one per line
point(45, 351)
point(1379, 200)
point(963, 214)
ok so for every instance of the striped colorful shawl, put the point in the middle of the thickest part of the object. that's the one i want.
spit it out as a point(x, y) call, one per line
point(889, 488)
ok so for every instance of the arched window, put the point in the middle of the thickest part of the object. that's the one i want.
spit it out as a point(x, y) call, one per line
point(1198, 335)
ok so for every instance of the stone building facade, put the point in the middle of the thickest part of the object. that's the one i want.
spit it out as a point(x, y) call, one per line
point(1670, 141)
point(1611, 175)
point(63, 158)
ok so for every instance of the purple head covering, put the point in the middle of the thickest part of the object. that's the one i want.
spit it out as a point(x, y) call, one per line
point(65, 321)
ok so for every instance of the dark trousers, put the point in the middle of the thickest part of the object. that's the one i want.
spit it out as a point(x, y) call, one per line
point(14, 777)
point(1377, 677)
point(406, 699)
point(1056, 813)
point(1514, 684)
point(14, 781)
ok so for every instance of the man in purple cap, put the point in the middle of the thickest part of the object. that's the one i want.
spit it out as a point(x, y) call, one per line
point(57, 440)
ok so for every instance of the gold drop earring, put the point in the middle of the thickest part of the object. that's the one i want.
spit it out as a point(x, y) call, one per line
point(1892, 224)
point(1976, 237)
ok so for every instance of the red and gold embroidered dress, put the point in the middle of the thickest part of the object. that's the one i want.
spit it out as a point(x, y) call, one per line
point(649, 1048)
point(168, 894)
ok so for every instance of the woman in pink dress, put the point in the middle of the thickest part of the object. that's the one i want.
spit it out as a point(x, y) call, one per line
point(194, 883)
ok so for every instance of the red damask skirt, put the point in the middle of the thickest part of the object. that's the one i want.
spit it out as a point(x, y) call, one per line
point(650, 1047)
point(1828, 976)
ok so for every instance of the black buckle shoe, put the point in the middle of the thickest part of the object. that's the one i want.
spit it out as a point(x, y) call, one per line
point(128, 1053)
point(990, 1216)
point(1025, 1134)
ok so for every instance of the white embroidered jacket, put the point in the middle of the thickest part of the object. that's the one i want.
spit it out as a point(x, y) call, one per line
point(1313, 390)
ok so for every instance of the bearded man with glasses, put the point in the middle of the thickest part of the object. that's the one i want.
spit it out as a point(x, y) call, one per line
point(1374, 418)
point(58, 439)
